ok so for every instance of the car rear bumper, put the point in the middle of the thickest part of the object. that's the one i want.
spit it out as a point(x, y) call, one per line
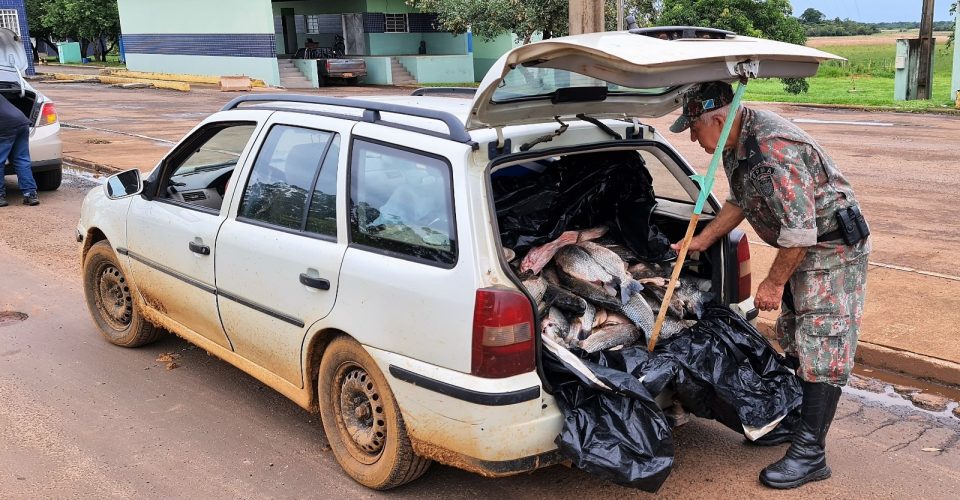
point(38, 166)
point(45, 144)
point(493, 427)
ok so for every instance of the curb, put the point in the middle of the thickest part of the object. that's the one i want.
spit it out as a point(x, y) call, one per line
point(111, 80)
point(894, 360)
point(97, 168)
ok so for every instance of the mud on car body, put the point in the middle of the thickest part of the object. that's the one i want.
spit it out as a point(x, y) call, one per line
point(346, 252)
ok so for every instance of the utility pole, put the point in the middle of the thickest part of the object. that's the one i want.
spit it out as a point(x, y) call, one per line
point(619, 15)
point(586, 16)
point(924, 73)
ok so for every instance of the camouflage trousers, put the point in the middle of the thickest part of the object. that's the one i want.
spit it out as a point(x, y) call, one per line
point(820, 320)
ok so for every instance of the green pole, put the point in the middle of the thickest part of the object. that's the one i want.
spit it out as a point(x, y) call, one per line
point(706, 181)
point(706, 185)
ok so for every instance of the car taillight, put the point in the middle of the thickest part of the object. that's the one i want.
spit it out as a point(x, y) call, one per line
point(329, 65)
point(503, 343)
point(743, 261)
point(48, 115)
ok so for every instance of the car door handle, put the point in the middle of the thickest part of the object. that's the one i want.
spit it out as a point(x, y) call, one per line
point(199, 248)
point(310, 281)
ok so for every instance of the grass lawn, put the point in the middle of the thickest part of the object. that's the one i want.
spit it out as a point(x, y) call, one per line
point(865, 80)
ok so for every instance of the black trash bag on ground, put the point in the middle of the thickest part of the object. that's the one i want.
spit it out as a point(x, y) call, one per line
point(723, 368)
point(579, 192)
point(617, 432)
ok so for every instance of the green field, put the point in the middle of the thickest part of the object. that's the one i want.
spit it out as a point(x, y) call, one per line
point(865, 80)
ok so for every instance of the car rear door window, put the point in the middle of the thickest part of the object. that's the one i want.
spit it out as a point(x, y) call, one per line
point(281, 183)
point(402, 203)
point(322, 216)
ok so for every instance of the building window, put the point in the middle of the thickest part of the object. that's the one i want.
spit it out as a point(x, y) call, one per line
point(396, 23)
point(313, 24)
point(11, 20)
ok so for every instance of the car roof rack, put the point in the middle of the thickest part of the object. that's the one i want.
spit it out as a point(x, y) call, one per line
point(678, 32)
point(371, 113)
point(422, 91)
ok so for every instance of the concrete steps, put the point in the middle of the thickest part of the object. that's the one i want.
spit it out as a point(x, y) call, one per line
point(291, 77)
point(400, 74)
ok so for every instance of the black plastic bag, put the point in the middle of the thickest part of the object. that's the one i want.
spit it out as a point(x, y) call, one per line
point(612, 426)
point(722, 368)
point(579, 192)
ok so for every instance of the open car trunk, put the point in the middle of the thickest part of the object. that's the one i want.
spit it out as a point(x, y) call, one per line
point(605, 199)
point(27, 103)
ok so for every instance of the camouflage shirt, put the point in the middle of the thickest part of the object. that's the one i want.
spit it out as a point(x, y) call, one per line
point(789, 189)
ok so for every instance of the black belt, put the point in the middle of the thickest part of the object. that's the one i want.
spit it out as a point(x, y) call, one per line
point(836, 234)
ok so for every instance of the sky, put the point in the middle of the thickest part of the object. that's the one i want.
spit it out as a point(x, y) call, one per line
point(874, 11)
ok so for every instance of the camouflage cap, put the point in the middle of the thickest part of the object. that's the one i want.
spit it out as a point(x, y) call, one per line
point(700, 99)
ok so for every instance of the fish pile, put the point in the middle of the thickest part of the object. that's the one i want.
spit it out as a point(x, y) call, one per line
point(589, 297)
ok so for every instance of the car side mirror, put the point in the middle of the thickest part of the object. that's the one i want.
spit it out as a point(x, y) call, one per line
point(124, 184)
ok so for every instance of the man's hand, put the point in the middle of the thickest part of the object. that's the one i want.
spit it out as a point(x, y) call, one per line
point(769, 295)
point(698, 243)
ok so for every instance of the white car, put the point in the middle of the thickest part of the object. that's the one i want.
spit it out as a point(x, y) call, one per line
point(346, 252)
point(46, 149)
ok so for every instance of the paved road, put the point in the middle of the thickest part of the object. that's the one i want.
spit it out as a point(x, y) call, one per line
point(80, 418)
point(904, 168)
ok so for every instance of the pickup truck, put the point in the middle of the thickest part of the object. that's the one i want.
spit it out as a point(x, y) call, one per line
point(332, 64)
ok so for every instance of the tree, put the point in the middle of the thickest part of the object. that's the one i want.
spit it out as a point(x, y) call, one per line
point(89, 21)
point(35, 10)
point(954, 8)
point(812, 16)
point(645, 11)
point(488, 19)
point(768, 19)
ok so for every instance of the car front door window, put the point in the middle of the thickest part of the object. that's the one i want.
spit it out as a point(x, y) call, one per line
point(199, 174)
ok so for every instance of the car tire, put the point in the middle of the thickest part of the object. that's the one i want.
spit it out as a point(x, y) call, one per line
point(112, 300)
point(49, 180)
point(362, 421)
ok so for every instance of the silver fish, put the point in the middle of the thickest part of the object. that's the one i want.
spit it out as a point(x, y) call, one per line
point(540, 256)
point(642, 270)
point(584, 324)
point(537, 287)
point(577, 262)
point(555, 326)
point(671, 328)
point(694, 294)
point(613, 264)
point(616, 331)
point(593, 293)
point(640, 313)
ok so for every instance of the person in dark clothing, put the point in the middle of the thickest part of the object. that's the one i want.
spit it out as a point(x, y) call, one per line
point(15, 146)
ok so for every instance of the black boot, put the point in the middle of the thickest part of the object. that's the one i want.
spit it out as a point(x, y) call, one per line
point(3, 200)
point(783, 432)
point(805, 460)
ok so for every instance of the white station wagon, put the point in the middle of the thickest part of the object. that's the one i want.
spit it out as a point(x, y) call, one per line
point(347, 253)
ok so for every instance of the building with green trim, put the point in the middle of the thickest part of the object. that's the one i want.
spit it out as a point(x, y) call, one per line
point(259, 38)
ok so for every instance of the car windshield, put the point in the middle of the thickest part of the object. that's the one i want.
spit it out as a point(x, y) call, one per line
point(534, 82)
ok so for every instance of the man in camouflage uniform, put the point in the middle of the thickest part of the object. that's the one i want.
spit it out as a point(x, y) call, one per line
point(790, 191)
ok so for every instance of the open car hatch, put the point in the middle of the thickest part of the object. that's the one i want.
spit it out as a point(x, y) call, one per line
point(617, 74)
point(13, 58)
